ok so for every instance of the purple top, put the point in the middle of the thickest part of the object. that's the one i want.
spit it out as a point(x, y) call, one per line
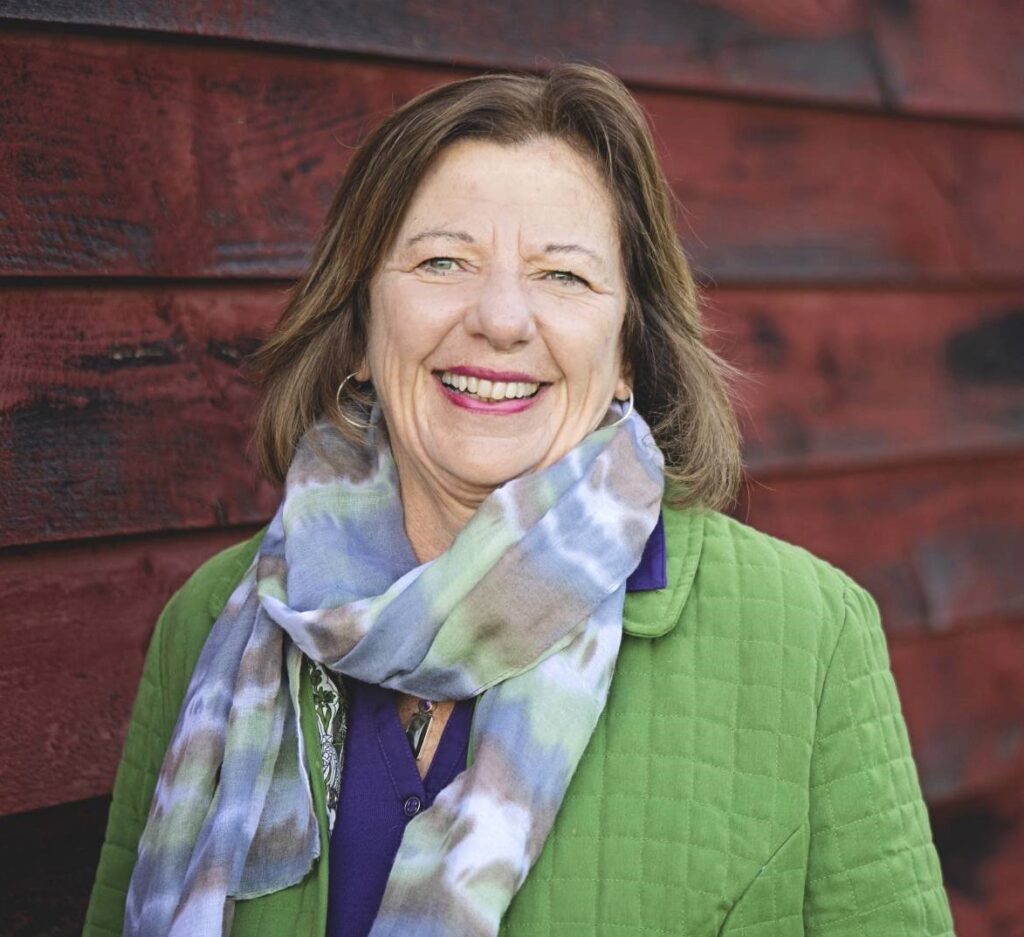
point(651, 572)
point(381, 789)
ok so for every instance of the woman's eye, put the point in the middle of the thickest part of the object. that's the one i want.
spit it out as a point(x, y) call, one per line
point(440, 265)
point(566, 276)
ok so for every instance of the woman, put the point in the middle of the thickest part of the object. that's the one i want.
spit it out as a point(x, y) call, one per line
point(503, 445)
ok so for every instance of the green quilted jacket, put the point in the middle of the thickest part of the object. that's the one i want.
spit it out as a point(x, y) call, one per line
point(751, 773)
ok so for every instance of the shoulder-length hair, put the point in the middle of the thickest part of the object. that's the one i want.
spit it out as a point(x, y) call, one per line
point(680, 385)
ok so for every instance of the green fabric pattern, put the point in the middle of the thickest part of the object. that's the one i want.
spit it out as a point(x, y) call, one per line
point(750, 775)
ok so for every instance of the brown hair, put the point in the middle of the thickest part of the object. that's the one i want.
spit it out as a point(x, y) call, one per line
point(680, 385)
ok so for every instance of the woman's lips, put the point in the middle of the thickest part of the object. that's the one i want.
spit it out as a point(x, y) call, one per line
point(489, 375)
point(481, 405)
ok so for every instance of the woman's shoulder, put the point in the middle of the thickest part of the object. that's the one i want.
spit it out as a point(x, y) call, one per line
point(766, 561)
point(768, 582)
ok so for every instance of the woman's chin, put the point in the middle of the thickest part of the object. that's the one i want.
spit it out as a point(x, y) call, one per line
point(492, 474)
point(487, 463)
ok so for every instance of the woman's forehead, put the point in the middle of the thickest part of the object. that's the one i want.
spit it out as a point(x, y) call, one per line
point(542, 186)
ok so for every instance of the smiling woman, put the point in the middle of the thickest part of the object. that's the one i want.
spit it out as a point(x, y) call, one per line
point(498, 663)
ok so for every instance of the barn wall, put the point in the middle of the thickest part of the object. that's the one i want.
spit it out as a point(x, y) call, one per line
point(851, 176)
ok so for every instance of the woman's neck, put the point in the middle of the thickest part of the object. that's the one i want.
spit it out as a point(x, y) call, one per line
point(434, 513)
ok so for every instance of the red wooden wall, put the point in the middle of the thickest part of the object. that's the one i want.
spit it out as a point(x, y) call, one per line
point(853, 179)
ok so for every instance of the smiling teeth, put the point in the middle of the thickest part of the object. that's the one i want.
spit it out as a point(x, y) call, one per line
point(489, 390)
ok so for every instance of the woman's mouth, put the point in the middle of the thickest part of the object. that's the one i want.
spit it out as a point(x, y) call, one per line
point(490, 391)
point(473, 392)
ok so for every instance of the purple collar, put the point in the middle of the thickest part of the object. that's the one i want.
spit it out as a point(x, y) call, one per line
point(651, 572)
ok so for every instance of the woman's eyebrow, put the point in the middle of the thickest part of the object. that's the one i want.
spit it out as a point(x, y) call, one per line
point(440, 233)
point(466, 238)
point(573, 249)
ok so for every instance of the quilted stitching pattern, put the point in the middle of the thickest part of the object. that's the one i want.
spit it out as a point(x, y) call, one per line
point(864, 792)
point(751, 774)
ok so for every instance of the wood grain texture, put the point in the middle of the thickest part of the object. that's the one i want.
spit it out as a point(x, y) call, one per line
point(843, 378)
point(963, 699)
point(939, 545)
point(73, 654)
point(170, 161)
point(176, 161)
point(127, 411)
point(774, 195)
point(942, 56)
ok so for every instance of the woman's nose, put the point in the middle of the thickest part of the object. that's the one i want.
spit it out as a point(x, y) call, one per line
point(502, 312)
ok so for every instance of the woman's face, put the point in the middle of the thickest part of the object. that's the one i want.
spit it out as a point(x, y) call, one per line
point(496, 317)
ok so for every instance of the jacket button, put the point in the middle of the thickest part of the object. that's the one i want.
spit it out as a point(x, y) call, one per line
point(412, 806)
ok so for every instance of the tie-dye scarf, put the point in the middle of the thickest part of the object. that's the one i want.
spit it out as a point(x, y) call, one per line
point(525, 608)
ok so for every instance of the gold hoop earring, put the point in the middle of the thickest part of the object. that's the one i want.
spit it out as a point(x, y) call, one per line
point(341, 409)
point(629, 409)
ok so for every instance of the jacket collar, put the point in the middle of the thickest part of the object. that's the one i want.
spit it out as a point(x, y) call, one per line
point(653, 613)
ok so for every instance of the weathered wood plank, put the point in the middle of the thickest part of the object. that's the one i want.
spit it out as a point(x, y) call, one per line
point(939, 57)
point(940, 546)
point(778, 195)
point(126, 411)
point(963, 700)
point(73, 649)
point(947, 57)
point(182, 162)
point(843, 378)
point(170, 161)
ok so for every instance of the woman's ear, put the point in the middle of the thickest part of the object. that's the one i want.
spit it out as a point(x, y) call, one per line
point(362, 372)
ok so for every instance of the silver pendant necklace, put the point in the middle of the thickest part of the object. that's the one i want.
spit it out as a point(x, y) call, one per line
point(416, 731)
